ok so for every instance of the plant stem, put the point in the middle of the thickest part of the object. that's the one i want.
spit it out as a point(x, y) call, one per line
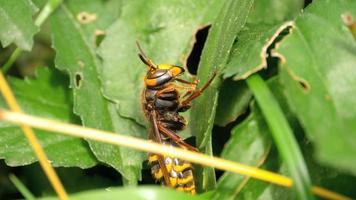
point(47, 10)
point(50, 6)
point(283, 136)
point(152, 147)
point(11, 60)
point(21, 187)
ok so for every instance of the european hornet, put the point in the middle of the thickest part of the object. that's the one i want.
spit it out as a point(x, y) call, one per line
point(164, 97)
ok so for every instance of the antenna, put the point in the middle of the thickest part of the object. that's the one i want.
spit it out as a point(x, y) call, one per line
point(143, 57)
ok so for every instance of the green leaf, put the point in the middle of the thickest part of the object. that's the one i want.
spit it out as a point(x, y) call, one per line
point(215, 54)
point(319, 77)
point(76, 55)
point(155, 25)
point(249, 144)
point(132, 193)
point(47, 96)
point(233, 101)
point(274, 11)
point(16, 23)
point(327, 177)
point(250, 51)
point(95, 17)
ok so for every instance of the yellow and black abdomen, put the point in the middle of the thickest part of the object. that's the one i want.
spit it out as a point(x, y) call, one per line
point(180, 173)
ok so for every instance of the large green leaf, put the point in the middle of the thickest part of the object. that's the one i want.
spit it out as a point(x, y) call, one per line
point(132, 193)
point(318, 60)
point(249, 144)
point(16, 23)
point(75, 54)
point(164, 29)
point(215, 54)
point(47, 96)
point(250, 51)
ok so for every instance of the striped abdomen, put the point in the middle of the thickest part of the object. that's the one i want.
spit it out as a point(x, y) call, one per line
point(180, 173)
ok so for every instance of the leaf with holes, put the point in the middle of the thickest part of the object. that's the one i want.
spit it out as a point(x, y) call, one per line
point(319, 77)
point(95, 17)
point(16, 23)
point(249, 53)
point(55, 104)
point(76, 55)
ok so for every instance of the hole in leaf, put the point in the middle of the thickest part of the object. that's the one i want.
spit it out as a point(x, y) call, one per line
point(304, 84)
point(78, 80)
point(194, 56)
point(86, 17)
point(307, 2)
point(99, 36)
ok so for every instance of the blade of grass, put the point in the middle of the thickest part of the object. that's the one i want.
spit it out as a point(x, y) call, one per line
point(147, 146)
point(232, 17)
point(283, 136)
point(50, 6)
point(42, 158)
point(21, 187)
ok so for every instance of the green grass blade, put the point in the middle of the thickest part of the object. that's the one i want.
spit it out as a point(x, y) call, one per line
point(232, 17)
point(21, 187)
point(283, 136)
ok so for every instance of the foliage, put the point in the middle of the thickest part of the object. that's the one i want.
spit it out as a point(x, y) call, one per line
point(83, 68)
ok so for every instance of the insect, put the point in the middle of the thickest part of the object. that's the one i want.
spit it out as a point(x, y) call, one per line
point(164, 98)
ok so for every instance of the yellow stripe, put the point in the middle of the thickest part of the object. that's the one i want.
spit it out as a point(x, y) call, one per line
point(180, 189)
point(190, 188)
point(158, 175)
point(164, 66)
point(180, 168)
point(173, 181)
point(169, 167)
point(185, 180)
point(152, 158)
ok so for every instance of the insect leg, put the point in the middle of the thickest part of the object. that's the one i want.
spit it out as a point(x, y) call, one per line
point(193, 83)
point(157, 136)
point(175, 138)
point(198, 92)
